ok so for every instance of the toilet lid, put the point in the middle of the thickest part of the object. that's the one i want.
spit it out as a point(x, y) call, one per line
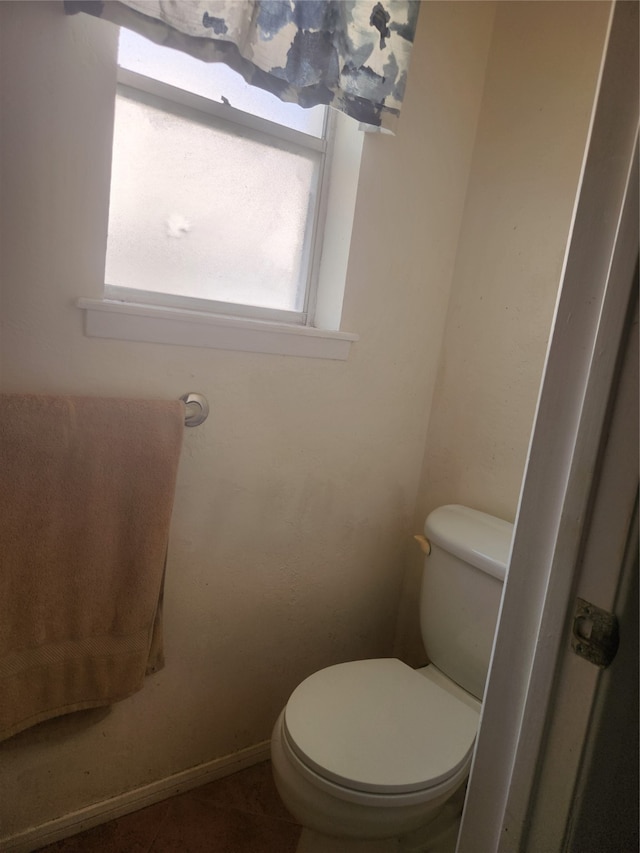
point(379, 726)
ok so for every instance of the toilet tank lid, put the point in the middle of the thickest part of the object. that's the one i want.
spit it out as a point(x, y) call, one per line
point(476, 537)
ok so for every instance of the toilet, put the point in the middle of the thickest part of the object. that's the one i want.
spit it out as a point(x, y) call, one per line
point(373, 749)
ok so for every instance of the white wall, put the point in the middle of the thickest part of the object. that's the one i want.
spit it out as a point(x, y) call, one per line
point(539, 90)
point(296, 497)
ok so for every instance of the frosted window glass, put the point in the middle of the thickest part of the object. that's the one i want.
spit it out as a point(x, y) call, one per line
point(213, 80)
point(203, 212)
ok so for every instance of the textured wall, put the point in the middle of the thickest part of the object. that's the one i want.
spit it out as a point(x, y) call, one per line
point(539, 90)
point(295, 499)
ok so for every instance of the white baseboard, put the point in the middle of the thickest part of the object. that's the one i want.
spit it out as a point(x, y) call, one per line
point(97, 813)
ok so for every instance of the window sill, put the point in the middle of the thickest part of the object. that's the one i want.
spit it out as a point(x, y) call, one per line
point(159, 325)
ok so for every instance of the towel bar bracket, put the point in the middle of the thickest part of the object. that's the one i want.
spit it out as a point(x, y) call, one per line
point(197, 408)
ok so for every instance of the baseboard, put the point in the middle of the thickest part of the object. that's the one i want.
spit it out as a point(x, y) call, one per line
point(131, 801)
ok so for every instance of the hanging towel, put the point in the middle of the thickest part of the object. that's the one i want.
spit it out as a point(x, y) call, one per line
point(86, 492)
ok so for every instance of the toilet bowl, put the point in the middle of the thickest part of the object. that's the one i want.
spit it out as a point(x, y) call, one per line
point(382, 759)
point(374, 749)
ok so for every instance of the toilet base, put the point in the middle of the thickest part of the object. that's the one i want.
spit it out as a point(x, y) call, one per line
point(440, 836)
point(332, 822)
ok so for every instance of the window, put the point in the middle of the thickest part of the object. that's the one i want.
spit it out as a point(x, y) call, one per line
point(219, 194)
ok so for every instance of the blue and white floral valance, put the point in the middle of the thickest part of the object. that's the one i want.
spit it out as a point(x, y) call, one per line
point(350, 54)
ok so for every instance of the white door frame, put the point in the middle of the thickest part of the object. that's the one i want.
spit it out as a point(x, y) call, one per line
point(561, 466)
point(585, 797)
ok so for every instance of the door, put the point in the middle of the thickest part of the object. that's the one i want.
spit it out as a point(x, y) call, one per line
point(586, 794)
point(517, 799)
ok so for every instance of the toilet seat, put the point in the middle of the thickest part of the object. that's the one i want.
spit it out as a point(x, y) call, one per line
point(380, 728)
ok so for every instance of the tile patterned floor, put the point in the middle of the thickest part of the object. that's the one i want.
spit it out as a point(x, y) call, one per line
point(241, 813)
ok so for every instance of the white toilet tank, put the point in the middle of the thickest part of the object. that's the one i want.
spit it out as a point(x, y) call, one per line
point(461, 590)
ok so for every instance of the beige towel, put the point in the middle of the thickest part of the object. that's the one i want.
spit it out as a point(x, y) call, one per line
point(86, 492)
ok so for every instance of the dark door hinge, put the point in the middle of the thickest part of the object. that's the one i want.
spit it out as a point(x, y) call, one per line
point(595, 635)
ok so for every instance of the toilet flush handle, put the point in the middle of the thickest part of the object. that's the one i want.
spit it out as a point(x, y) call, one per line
point(424, 543)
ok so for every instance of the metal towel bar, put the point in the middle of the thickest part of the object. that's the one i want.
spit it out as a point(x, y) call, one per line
point(197, 408)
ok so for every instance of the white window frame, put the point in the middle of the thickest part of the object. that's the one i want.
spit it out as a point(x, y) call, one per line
point(131, 314)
